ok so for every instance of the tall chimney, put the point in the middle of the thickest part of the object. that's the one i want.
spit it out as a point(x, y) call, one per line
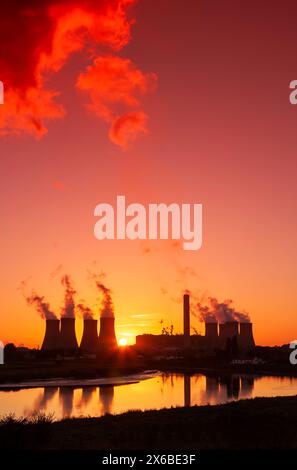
point(187, 338)
point(211, 334)
point(107, 341)
point(246, 339)
point(51, 339)
point(89, 339)
point(68, 337)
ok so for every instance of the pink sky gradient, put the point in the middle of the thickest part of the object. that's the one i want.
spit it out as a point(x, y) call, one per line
point(221, 132)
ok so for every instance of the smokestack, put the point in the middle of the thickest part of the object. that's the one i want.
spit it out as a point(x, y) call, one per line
point(68, 337)
point(89, 339)
point(246, 339)
point(107, 341)
point(52, 335)
point(211, 334)
point(187, 338)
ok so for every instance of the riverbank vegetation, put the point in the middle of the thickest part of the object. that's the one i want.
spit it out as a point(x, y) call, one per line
point(259, 423)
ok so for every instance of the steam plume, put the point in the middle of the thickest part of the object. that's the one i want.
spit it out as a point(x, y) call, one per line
point(85, 311)
point(41, 36)
point(205, 314)
point(220, 311)
point(68, 311)
point(42, 306)
point(107, 307)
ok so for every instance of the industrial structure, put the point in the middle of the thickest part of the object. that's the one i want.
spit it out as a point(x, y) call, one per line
point(232, 336)
point(52, 335)
point(68, 339)
point(61, 335)
point(89, 339)
point(187, 337)
point(107, 341)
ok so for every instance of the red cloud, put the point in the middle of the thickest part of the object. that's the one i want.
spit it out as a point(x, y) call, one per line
point(41, 36)
point(114, 84)
point(126, 128)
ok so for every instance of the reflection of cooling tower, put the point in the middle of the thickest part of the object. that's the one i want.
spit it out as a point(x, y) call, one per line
point(211, 387)
point(247, 386)
point(107, 339)
point(90, 336)
point(52, 335)
point(87, 395)
point(47, 395)
point(66, 398)
point(106, 396)
point(228, 331)
point(187, 338)
point(211, 334)
point(246, 339)
point(67, 336)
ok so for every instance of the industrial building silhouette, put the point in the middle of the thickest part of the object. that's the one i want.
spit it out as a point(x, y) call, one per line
point(233, 336)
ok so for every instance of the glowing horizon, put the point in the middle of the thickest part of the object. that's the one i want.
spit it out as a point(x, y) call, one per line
point(167, 108)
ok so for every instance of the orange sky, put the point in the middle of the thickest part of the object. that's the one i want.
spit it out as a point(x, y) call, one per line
point(213, 83)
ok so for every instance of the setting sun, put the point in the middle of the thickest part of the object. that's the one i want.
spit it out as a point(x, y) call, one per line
point(123, 342)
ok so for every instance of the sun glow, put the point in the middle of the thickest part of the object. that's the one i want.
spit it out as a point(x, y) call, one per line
point(123, 342)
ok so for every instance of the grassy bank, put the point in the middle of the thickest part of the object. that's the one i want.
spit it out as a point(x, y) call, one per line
point(260, 423)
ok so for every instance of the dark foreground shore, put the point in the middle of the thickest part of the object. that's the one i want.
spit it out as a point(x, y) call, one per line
point(260, 423)
point(272, 362)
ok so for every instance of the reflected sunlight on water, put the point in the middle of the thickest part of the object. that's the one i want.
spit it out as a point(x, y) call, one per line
point(164, 390)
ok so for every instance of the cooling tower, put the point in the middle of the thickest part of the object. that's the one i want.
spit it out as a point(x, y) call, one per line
point(228, 331)
point(187, 338)
point(246, 340)
point(89, 339)
point(231, 329)
point(107, 341)
point(211, 334)
point(68, 337)
point(52, 335)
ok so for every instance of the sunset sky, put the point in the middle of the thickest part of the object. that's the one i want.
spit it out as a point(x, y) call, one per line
point(168, 101)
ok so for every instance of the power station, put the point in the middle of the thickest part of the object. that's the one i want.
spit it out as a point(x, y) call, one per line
point(231, 336)
point(61, 335)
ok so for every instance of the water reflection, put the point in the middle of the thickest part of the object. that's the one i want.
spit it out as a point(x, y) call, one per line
point(166, 390)
point(45, 397)
point(187, 390)
point(106, 396)
point(247, 385)
point(66, 395)
point(87, 395)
